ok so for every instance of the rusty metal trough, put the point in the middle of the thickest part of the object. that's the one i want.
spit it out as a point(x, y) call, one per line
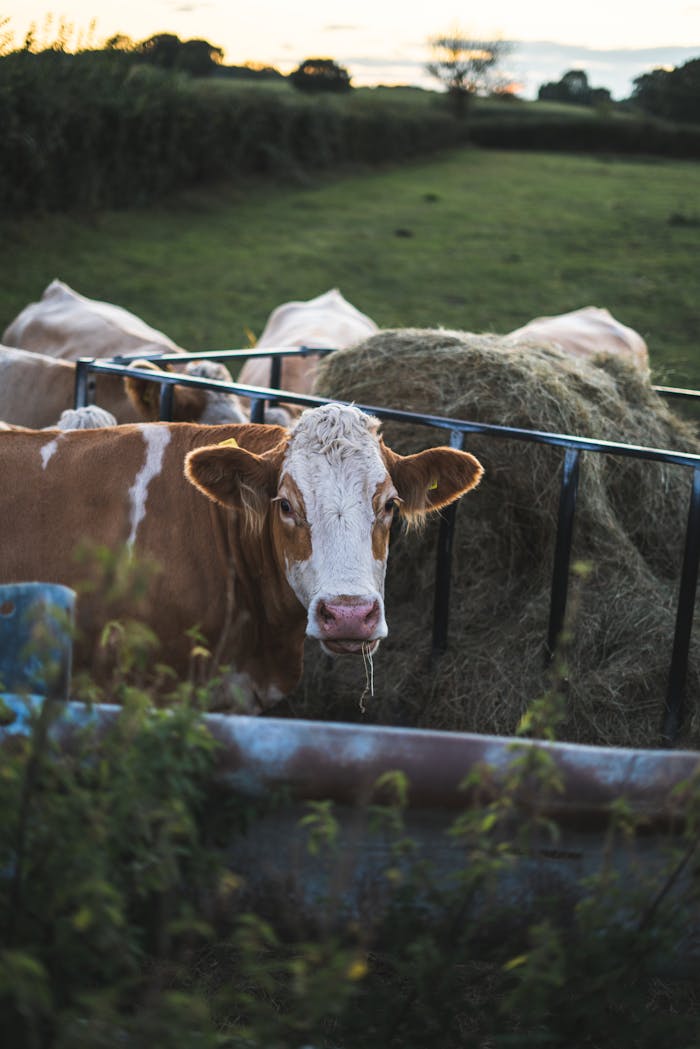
point(294, 763)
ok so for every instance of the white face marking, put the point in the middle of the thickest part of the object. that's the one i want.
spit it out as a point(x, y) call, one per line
point(334, 459)
point(156, 439)
point(47, 451)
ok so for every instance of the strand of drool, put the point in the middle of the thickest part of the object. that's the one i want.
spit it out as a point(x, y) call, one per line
point(369, 674)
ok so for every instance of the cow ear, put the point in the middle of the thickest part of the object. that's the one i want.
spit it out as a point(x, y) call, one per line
point(235, 478)
point(144, 395)
point(431, 479)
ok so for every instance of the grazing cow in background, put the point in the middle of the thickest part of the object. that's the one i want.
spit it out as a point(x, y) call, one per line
point(327, 320)
point(586, 333)
point(263, 535)
point(66, 325)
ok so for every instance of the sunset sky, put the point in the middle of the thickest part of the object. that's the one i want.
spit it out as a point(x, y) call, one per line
point(387, 42)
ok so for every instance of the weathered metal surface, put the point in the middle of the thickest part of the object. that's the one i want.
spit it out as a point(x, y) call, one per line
point(278, 766)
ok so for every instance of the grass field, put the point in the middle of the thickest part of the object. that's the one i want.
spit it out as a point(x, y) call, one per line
point(475, 240)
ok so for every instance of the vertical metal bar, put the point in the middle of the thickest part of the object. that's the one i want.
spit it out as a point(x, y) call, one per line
point(562, 549)
point(443, 566)
point(82, 395)
point(257, 410)
point(675, 695)
point(165, 404)
point(275, 372)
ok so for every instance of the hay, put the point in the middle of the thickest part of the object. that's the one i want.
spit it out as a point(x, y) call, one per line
point(630, 524)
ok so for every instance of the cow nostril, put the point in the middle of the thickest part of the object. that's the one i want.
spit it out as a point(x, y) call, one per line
point(324, 613)
point(373, 614)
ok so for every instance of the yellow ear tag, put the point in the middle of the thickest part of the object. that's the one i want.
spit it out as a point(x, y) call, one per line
point(230, 443)
point(432, 486)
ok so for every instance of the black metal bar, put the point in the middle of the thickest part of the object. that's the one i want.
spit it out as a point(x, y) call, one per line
point(443, 567)
point(275, 372)
point(257, 409)
point(165, 404)
point(562, 549)
point(573, 445)
point(84, 390)
point(440, 422)
point(675, 695)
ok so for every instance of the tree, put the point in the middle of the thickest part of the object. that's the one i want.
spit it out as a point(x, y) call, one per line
point(161, 49)
point(573, 88)
point(672, 94)
point(466, 66)
point(320, 74)
point(196, 57)
point(199, 57)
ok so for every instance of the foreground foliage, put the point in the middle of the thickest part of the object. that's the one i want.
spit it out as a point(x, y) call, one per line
point(123, 919)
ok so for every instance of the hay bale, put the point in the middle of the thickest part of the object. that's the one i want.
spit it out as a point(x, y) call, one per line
point(630, 525)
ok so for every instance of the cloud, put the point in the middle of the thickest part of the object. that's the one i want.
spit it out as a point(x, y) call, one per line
point(536, 62)
point(533, 63)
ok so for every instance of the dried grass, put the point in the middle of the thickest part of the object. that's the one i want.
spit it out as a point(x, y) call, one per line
point(630, 524)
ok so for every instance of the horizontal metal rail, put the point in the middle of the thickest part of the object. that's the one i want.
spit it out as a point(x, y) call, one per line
point(573, 447)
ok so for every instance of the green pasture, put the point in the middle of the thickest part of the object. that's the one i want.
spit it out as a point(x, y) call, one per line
point(475, 240)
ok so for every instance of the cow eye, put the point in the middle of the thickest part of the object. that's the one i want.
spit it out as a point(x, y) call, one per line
point(390, 505)
point(286, 507)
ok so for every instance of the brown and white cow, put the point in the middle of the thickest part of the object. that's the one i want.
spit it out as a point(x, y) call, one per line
point(329, 320)
point(35, 390)
point(66, 325)
point(264, 536)
point(586, 333)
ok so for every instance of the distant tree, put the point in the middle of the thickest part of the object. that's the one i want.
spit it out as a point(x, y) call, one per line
point(320, 74)
point(199, 57)
point(466, 66)
point(673, 94)
point(119, 42)
point(250, 71)
point(196, 57)
point(161, 49)
point(573, 88)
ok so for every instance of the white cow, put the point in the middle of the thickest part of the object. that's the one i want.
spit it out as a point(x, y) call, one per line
point(327, 320)
point(586, 333)
point(66, 325)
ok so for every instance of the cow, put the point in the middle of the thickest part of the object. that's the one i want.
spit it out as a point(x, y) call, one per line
point(35, 390)
point(66, 325)
point(586, 333)
point(90, 417)
point(329, 320)
point(264, 535)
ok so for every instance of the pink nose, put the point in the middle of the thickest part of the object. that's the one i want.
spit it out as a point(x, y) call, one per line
point(348, 618)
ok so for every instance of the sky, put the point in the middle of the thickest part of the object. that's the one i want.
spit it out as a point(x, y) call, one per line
point(387, 41)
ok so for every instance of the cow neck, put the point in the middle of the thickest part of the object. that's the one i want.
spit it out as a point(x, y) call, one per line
point(263, 635)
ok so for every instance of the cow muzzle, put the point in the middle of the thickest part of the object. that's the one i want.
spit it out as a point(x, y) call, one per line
point(348, 625)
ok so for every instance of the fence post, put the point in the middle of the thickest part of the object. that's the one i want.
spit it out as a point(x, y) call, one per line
point(562, 549)
point(84, 389)
point(165, 402)
point(443, 566)
point(675, 695)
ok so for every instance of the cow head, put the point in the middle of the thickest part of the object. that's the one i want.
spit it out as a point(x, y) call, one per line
point(190, 404)
point(328, 493)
